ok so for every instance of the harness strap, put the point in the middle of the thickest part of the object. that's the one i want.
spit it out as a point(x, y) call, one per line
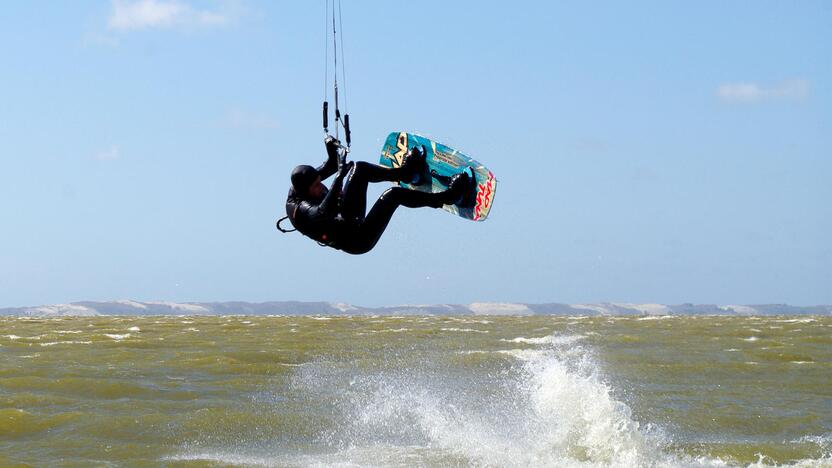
point(284, 231)
point(277, 224)
point(325, 242)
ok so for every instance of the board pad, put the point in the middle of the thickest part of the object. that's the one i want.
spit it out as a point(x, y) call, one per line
point(443, 162)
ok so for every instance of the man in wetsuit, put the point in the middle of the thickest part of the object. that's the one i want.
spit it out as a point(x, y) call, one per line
point(336, 217)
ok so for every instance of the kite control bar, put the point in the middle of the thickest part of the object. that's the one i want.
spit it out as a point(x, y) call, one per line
point(337, 143)
point(345, 122)
point(342, 150)
point(347, 129)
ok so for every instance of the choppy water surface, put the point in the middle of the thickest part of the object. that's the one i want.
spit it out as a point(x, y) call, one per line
point(416, 391)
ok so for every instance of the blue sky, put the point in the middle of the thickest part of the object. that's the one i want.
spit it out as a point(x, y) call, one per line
point(646, 151)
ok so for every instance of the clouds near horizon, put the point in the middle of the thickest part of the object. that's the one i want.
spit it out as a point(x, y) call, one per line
point(751, 92)
point(137, 15)
point(110, 154)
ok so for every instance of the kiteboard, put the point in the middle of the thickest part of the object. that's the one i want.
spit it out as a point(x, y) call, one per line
point(443, 163)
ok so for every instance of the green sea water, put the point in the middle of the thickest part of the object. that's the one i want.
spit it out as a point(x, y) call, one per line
point(416, 391)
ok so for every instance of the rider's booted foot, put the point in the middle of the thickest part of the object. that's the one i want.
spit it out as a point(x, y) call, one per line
point(469, 197)
point(458, 190)
point(414, 166)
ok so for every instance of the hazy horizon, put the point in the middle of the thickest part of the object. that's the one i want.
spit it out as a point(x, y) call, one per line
point(299, 308)
point(389, 304)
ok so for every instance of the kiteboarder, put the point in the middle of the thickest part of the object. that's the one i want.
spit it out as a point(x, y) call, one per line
point(336, 217)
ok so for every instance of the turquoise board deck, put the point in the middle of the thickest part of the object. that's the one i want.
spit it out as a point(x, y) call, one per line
point(443, 162)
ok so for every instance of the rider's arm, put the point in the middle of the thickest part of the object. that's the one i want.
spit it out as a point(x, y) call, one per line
point(328, 208)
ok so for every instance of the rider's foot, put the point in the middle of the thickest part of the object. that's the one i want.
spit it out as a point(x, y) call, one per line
point(459, 188)
point(414, 166)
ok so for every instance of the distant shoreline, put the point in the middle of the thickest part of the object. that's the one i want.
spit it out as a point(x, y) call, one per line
point(138, 308)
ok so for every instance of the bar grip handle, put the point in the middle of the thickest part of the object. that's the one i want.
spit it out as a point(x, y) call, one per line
point(347, 128)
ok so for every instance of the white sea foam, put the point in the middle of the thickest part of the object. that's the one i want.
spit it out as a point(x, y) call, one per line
point(825, 461)
point(535, 341)
point(654, 317)
point(824, 441)
point(33, 337)
point(546, 340)
point(380, 455)
point(225, 458)
point(134, 329)
point(797, 320)
point(53, 343)
point(387, 455)
point(463, 330)
point(553, 408)
point(521, 354)
point(751, 338)
point(555, 411)
point(117, 337)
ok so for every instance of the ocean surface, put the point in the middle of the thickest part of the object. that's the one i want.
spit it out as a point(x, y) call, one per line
point(412, 391)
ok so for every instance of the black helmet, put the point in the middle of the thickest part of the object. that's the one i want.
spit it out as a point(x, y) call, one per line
point(302, 177)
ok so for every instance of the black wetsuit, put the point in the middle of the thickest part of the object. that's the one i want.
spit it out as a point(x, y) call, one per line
point(339, 219)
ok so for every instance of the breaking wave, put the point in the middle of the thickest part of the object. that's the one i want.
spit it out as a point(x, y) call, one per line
point(545, 406)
